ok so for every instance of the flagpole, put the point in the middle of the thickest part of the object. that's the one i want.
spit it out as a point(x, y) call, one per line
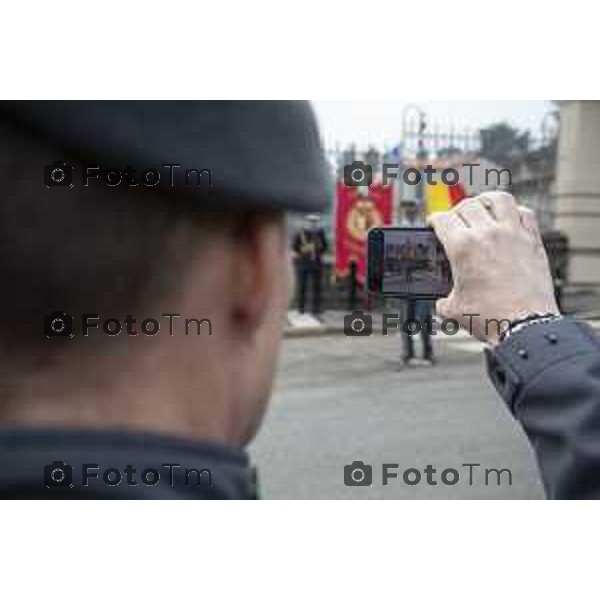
point(421, 152)
point(421, 156)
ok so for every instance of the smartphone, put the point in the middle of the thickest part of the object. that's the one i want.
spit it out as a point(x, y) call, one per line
point(407, 262)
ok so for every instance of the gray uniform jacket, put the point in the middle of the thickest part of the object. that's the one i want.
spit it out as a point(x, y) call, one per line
point(549, 375)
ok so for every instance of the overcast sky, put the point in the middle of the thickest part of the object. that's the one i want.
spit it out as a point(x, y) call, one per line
point(380, 122)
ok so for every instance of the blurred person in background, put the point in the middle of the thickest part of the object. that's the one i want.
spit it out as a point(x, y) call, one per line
point(415, 309)
point(309, 247)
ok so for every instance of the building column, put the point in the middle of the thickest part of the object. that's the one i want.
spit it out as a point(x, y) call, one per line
point(578, 189)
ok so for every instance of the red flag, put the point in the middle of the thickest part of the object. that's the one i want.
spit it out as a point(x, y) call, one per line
point(456, 193)
point(356, 213)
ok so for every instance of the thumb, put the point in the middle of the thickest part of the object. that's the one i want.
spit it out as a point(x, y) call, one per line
point(442, 307)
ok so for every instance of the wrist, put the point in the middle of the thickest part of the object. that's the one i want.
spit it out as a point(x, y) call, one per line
point(529, 320)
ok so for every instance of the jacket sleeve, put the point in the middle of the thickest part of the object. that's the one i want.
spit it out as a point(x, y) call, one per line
point(324, 244)
point(549, 375)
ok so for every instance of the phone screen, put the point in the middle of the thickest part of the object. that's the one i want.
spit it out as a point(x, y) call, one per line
point(407, 261)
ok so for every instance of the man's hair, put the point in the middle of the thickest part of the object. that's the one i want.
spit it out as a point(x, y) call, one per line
point(110, 251)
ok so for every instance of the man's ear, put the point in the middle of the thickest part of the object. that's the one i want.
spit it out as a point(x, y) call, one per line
point(260, 251)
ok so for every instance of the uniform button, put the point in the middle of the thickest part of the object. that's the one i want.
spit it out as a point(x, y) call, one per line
point(523, 353)
point(552, 338)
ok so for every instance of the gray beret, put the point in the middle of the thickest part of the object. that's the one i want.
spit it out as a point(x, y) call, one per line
point(259, 153)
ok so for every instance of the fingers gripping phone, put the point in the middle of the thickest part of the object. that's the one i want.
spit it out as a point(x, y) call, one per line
point(407, 262)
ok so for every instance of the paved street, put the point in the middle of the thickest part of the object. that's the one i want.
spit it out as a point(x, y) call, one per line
point(340, 399)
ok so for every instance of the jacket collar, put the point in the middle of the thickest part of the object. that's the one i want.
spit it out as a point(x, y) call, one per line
point(146, 466)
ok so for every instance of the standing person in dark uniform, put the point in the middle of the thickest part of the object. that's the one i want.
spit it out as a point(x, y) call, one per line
point(309, 246)
point(556, 245)
point(415, 309)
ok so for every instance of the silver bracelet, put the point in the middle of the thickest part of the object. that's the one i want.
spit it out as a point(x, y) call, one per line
point(519, 326)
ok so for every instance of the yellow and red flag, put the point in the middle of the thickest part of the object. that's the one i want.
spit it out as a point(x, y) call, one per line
point(356, 213)
point(441, 197)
